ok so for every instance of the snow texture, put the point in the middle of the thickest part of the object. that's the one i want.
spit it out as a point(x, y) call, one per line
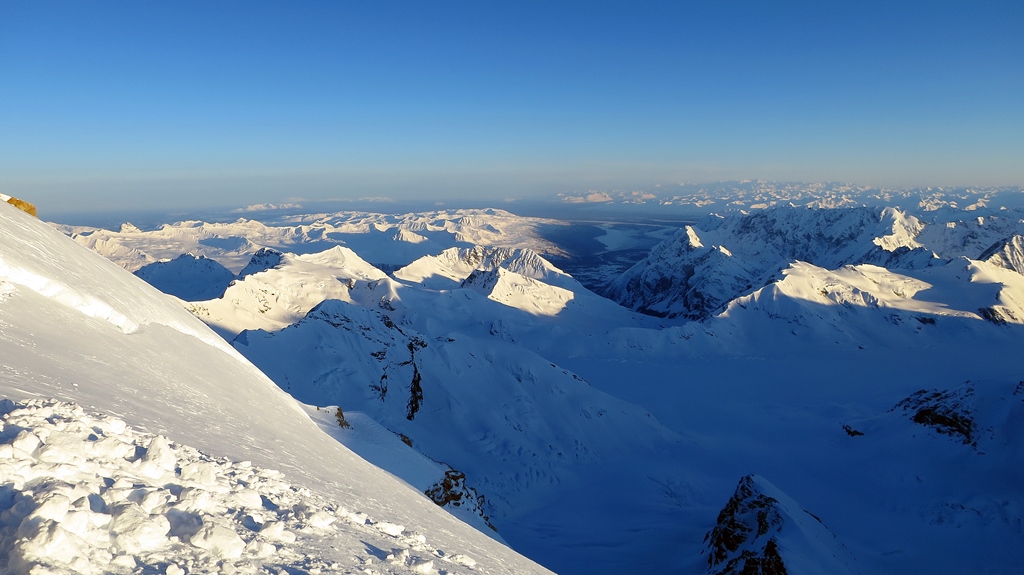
point(76, 329)
point(602, 440)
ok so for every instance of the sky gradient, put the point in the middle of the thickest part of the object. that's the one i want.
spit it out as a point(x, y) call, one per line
point(185, 104)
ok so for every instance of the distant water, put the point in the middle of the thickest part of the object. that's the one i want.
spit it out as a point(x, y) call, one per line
point(596, 263)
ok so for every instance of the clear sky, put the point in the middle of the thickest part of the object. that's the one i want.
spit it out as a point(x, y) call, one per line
point(188, 103)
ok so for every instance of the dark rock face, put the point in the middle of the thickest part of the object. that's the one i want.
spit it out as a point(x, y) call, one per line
point(763, 531)
point(947, 412)
point(743, 540)
point(452, 491)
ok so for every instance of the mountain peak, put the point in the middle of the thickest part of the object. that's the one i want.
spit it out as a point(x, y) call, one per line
point(763, 531)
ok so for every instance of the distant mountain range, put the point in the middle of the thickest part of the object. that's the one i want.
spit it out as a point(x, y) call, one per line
point(860, 360)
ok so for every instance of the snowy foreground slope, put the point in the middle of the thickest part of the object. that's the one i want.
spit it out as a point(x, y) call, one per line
point(846, 401)
point(133, 435)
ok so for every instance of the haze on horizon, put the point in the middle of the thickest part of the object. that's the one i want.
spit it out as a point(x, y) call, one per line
point(146, 106)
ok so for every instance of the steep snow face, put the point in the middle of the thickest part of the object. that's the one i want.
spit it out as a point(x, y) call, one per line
point(1008, 253)
point(277, 297)
point(519, 292)
point(514, 423)
point(448, 269)
point(171, 376)
point(762, 530)
point(957, 237)
point(697, 271)
point(868, 305)
point(188, 277)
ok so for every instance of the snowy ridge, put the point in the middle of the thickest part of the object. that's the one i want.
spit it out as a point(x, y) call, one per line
point(1008, 253)
point(169, 382)
point(762, 530)
point(866, 305)
point(188, 277)
point(697, 271)
point(280, 296)
point(518, 291)
point(385, 240)
point(449, 268)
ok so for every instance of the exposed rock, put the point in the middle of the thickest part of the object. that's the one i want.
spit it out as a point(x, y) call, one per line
point(762, 531)
point(948, 412)
point(20, 204)
point(452, 491)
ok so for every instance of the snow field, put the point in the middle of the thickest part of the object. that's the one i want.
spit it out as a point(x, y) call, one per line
point(87, 494)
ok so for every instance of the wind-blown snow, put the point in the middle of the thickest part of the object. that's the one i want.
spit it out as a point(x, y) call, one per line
point(173, 377)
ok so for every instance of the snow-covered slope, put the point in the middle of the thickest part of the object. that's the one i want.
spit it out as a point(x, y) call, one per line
point(1007, 253)
point(188, 277)
point(847, 316)
point(79, 329)
point(512, 421)
point(762, 530)
point(869, 305)
point(448, 269)
point(697, 271)
point(279, 296)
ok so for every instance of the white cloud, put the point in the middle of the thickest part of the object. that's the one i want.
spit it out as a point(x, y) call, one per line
point(266, 207)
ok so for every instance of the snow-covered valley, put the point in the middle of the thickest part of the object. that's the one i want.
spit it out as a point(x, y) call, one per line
point(825, 390)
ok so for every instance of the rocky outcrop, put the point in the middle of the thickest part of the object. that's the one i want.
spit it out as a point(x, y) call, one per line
point(762, 531)
point(948, 412)
point(452, 491)
point(20, 204)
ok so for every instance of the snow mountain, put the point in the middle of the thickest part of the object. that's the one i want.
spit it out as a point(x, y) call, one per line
point(389, 241)
point(759, 246)
point(515, 390)
point(1007, 253)
point(762, 530)
point(135, 439)
point(452, 266)
point(701, 268)
point(188, 277)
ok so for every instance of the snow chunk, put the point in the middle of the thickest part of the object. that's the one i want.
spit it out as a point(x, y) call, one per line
point(219, 540)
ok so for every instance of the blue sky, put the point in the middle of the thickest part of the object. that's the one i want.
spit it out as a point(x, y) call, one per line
point(186, 104)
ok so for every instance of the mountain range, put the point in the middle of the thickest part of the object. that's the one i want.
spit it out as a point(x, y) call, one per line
point(857, 360)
